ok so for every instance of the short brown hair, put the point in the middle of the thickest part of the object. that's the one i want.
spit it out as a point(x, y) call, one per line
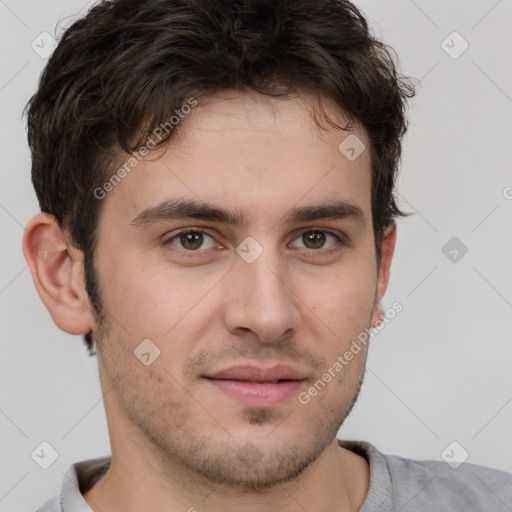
point(128, 65)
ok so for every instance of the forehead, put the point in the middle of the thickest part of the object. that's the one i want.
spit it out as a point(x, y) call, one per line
point(257, 154)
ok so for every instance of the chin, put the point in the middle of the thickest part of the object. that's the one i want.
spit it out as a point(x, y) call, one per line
point(255, 468)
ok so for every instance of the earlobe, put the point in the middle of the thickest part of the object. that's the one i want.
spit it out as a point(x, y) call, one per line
point(377, 315)
point(57, 271)
point(387, 249)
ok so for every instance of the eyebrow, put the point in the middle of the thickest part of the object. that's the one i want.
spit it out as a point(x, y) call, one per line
point(183, 209)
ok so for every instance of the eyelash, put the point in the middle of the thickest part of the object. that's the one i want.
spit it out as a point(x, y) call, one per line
point(204, 252)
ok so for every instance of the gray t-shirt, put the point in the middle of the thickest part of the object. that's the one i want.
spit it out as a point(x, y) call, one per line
point(397, 484)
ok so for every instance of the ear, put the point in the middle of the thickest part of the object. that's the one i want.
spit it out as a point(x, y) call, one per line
point(388, 247)
point(58, 274)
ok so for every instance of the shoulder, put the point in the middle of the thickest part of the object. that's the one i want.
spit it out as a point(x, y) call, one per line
point(79, 478)
point(423, 484)
point(411, 485)
point(52, 505)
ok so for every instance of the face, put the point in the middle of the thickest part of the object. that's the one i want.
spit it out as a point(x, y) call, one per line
point(230, 284)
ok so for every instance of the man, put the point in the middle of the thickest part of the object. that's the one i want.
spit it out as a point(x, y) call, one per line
point(217, 218)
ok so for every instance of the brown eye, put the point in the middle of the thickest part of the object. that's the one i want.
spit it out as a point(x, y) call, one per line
point(192, 240)
point(317, 239)
point(314, 239)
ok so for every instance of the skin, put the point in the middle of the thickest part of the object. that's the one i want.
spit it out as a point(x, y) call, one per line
point(177, 441)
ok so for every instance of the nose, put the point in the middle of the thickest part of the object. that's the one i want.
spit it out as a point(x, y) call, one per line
point(261, 301)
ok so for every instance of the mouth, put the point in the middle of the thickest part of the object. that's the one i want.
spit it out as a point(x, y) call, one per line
point(258, 387)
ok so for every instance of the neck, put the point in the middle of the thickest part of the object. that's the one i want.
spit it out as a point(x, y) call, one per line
point(337, 480)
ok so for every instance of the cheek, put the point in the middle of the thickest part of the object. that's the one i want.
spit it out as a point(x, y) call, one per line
point(150, 396)
point(343, 299)
point(149, 300)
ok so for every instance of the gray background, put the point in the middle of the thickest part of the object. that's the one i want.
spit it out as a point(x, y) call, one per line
point(439, 372)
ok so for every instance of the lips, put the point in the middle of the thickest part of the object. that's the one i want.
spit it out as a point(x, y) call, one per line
point(258, 387)
point(254, 374)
